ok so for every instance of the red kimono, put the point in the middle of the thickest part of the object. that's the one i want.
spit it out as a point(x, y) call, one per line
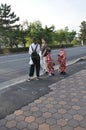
point(62, 61)
point(50, 64)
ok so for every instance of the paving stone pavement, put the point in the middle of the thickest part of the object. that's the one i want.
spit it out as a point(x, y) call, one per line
point(64, 108)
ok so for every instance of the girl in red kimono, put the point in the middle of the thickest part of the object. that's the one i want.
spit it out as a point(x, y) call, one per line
point(62, 61)
point(50, 62)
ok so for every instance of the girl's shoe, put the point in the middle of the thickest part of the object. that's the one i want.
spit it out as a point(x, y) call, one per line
point(64, 73)
point(53, 74)
point(61, 72)
point(50, 74)
point(46, 72)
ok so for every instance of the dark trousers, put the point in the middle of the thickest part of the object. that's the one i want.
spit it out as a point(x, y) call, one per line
point(36, 66)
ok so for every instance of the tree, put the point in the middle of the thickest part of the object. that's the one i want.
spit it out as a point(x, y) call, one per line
point(64, 36)
point(82, 35)
point(34, 29)
point(7, 22)
point(60, 36)
point(22, 34)
point(71, 36)
point(48, 33)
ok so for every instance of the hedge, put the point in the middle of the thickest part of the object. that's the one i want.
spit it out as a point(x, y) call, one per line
point(18, 50)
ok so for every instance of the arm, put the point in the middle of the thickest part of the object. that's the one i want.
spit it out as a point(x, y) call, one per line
point(38, 49)
point(30, 50)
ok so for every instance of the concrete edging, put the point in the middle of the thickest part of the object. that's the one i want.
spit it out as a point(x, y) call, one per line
point(24, 78)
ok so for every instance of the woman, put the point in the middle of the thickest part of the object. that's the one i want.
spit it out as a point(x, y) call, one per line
point(43, 55)
point(62, 61)
point(34, 64)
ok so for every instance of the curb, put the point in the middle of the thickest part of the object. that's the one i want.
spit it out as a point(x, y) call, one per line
point(22, 79)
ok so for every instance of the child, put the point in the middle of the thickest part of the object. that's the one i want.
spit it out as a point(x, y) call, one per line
point(62, 61)
point(50, 62)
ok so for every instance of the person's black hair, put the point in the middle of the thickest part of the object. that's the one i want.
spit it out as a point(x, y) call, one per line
point(34, 39)
point(48, 49)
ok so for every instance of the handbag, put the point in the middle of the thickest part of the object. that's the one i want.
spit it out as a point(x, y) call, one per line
point(31, 61)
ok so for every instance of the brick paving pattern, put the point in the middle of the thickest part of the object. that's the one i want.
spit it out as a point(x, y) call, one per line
point(64, 108)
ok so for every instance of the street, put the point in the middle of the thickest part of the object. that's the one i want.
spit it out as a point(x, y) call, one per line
point(19, 95)
point(17, 65)
point(12, 67)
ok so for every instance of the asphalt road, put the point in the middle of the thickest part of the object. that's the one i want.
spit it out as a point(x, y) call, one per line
point(19, 95)
point(15, 66)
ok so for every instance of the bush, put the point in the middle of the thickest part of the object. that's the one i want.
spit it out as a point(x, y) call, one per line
point(13, 50)
point(18, 50)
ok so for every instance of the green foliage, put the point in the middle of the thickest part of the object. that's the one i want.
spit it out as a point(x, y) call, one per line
point(28, 41)
point(75, 42)
point(64, 36)
point(13, 35)
point(82, 35)
point(7, 24)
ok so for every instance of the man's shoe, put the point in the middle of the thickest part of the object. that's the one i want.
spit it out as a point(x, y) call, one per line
point(37, 78)
point(29, 79)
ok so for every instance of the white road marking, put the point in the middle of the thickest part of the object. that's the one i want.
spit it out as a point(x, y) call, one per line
point(24, 78)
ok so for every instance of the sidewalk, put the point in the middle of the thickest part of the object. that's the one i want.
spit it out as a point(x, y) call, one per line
point(64, 108)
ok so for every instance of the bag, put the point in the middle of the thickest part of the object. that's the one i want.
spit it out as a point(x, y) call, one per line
point(34, 54)
point(31, 61)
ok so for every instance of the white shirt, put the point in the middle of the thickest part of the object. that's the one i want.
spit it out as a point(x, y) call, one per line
point(34, 46)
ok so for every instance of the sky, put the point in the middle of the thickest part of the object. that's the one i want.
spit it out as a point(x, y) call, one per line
point(60, 13)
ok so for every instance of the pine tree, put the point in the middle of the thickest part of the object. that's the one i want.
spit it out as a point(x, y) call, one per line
point(7, 23)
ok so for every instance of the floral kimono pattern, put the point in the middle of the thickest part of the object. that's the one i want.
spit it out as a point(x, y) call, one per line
point(62, 61)
point(50, 64)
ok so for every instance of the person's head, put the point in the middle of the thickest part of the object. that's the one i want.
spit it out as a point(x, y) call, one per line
point(61, 49)
point(48, 50)
point(34, 40)
point(43, 41)
point(62, 52)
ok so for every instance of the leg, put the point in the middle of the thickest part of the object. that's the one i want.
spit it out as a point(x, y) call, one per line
point(31, 72)
point(52, 70)
point(37, 67)
point(45, 64)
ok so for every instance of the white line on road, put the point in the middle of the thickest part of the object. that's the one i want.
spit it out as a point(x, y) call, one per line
point(24, 78)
